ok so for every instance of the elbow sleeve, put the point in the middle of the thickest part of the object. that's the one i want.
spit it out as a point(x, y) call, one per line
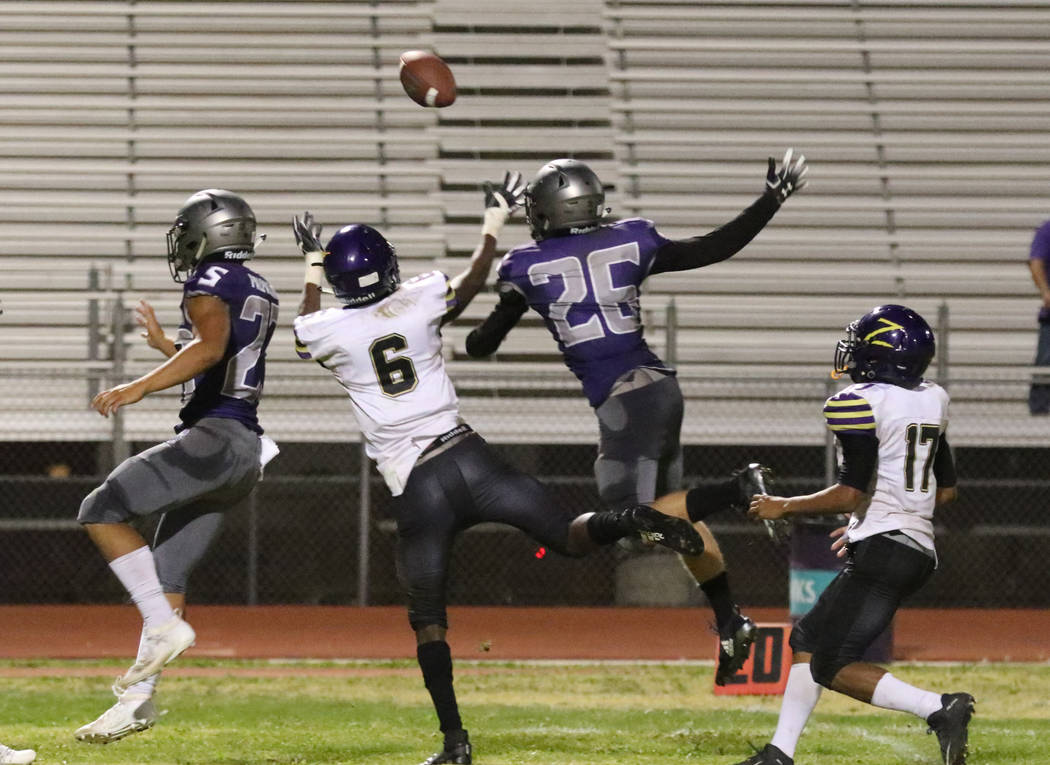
point(944, 464)
point(860, 455)
point(485, 339)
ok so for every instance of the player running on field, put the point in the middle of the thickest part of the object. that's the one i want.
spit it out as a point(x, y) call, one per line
point(218, 355)
point(896, 467)
point(583, 275)
point(384, 347)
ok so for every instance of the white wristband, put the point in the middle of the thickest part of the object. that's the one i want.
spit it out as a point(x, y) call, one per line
point(494, 219)
point(314, 273)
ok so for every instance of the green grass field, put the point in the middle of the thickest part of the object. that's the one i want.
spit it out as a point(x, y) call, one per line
point(517, 713)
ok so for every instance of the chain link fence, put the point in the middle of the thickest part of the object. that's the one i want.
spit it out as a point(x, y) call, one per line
point(318, 529)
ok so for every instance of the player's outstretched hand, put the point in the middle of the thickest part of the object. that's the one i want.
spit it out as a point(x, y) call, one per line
point(307, 233)
point(501, 201)
point(839, 545)
point(509, 195)
point(784, 181)
point(147, 319)
point(109, 401)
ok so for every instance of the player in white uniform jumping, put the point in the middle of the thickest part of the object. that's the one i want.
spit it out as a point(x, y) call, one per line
point(384, 347)
point(896, 467)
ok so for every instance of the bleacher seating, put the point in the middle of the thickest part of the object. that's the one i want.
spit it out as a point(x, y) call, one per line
point(924, 124)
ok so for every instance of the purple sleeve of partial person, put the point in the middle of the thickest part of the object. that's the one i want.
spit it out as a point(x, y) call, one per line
point(1041, 243)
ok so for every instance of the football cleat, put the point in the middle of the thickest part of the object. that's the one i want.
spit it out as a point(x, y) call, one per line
point(751, 480)
point(131, 714)
point(9, 756)
point(950, 724)
point(734, 646)
point(456, 750)
point(668, 531)
point(159, 646)
point(770, 755)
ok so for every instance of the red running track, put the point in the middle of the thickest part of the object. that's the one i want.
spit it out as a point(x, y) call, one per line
point(501, 633)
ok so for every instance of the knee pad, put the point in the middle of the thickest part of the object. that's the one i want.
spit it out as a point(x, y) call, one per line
point(824, 668)
point(104, 505)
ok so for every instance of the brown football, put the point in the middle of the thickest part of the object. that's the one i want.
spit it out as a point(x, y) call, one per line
point(427, 79)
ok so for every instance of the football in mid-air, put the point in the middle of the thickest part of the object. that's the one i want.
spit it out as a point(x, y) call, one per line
point(427, 79)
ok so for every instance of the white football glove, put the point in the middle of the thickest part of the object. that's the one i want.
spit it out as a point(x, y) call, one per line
point(308, 237)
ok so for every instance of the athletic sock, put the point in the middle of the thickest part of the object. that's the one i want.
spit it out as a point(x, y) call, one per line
point(717, 591)
point(710, 497)
point(800, 696)
point(138, 573)
point(891, 693)
point(435, 660)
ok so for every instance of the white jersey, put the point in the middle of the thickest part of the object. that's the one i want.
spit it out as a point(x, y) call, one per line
point(387, 356)
point(908, 424)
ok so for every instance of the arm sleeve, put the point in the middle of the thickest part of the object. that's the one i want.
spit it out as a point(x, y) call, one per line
point(944, 464)
point(485, 339)
point(720, 244)
point(860, 455)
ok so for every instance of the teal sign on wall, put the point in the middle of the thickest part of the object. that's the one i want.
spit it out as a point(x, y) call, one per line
point(806, 586)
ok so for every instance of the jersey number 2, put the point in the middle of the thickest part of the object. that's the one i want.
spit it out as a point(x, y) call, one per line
point(920, 437)
point(396, 374)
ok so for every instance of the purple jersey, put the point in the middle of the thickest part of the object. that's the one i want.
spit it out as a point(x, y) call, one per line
point(232, 387)
point(586, 287)
point(1041, 251)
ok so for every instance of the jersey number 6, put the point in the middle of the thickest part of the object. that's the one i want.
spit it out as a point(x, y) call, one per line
point(396, 374)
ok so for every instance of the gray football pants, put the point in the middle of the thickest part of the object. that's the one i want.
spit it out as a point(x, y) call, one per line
point(193, 479)
point(639, 452)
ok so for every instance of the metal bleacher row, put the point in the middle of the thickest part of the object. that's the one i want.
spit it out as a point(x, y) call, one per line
point(924, 124)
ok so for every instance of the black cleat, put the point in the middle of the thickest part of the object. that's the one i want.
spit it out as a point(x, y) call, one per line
point(734, 646)
point(770, 755)
point(751, 480)
point(456, 750)
point(658, 528)
point(950, 723)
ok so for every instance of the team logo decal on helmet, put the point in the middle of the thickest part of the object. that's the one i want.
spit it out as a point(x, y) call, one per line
point(566, 196)
point(211, 223)
point(360, 265)
point(891, 343)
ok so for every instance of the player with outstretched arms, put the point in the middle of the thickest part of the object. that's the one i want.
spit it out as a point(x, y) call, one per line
point(383, 345)
point(895, 468)
point(583, 276)
point(218, 355)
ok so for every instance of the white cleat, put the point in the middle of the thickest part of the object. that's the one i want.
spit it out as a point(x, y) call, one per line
point(131, 714)
point(159, 646)
point(10, 756)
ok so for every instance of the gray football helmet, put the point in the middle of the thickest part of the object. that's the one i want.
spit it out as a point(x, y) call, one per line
point(211, 222)
point(565, 196)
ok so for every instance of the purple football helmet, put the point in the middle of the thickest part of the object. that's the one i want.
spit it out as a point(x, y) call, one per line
point(890, 344)
point(360, 265)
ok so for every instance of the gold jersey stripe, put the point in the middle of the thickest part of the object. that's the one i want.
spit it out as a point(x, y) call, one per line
point(850, 415)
